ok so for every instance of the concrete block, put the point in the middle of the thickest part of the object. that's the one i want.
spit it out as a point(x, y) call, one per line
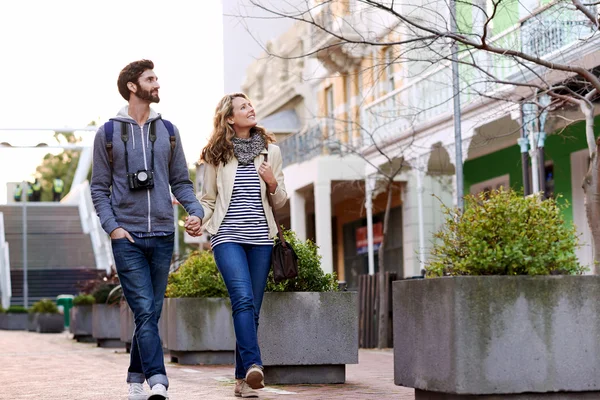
point(498, 335)
point(203, 326)
point(50, 323)
point(309, 329)
point(14, 322)
point(305, 374)
point(81, 322)
point(424, 395)
point(106, 325)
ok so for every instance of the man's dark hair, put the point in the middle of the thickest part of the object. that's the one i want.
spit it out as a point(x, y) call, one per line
point(132, 73)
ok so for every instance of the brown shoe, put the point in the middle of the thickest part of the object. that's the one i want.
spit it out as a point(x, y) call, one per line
point(243, 390)
point(255, 378)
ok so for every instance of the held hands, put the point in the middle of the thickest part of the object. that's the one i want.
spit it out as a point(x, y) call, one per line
point(121, 233)
point(266, 173)
point(193, 226)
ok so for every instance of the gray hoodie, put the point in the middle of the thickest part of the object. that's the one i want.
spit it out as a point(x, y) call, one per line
point(145, 210)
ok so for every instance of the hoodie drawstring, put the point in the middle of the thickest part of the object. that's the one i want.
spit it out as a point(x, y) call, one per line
point(132, 134)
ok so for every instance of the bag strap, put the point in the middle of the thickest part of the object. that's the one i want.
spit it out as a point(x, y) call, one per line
point(109, 131)
point(279, 231)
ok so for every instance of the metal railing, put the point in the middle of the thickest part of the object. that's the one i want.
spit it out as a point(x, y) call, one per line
point(542, 34)
point(302, 146)
point(5, 283)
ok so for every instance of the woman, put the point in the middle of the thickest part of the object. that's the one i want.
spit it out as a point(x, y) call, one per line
point(241, 223)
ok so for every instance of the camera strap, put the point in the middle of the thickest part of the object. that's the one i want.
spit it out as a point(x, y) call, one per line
point(125, 139)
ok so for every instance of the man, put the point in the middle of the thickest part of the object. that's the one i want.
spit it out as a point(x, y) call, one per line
point(36, 186)
point(57, 188)
point(133, 170)
point(18, 192)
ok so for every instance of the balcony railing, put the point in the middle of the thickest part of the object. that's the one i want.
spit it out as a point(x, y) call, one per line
point(302, 146)
point(542, 34)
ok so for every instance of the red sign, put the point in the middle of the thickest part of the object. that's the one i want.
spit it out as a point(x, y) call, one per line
point(362, 244)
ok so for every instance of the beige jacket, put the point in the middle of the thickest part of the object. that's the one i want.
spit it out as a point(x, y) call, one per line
point(218, 187)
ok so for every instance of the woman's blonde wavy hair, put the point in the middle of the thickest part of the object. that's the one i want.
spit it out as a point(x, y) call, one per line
point(220, 147)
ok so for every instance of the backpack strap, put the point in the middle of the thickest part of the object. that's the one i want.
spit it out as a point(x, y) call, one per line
point(172, 139)
point(108, 132)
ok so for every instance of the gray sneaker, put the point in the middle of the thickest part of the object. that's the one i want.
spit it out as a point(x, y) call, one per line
point(137, 392)
point(159, 392)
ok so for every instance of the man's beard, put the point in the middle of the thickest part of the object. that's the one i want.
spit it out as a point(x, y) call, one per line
point(146, 95)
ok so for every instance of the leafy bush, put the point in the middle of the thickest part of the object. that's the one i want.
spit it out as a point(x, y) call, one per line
point(504, 233)
point(311, 277)
point(84, 300)
point(44, 306)
point(198, 276)
point(16, 310)
point(102, 294)
point(2, 310)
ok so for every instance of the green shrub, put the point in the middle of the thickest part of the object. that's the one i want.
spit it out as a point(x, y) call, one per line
point(44, 306)
point(504, 233)
point(84, 300)
point(311, 277)
point(198, 276)
point(102, 294)
point(2, 310)
point(16, 310)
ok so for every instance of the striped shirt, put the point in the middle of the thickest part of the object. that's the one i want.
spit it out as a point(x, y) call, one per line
point(245, 220)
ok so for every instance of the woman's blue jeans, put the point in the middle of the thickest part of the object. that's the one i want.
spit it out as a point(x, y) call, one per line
point(143, 269)
point(244, 268)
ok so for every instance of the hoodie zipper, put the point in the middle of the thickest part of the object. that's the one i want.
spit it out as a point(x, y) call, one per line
point(146, 167)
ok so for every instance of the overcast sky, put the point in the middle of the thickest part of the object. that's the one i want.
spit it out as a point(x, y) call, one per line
point(61, 60)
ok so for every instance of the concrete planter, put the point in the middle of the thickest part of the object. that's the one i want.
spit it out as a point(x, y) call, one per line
point(106, 325)
point(14, 322)
point(50, 323)
point(308, 338)
point(32, 322)
point(127, 325)
point(200, 331)
point(498, 337)
point(81, 323)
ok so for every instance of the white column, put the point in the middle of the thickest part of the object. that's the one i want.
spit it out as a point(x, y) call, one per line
point(323, 224)
point(298, 214)
point(369, 189)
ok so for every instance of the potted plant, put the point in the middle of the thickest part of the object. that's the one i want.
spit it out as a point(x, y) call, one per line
point(81, 318)
point(506, 311)
point(14, 318)
point(199, 325)
point(106, 318)
point(308, 329)
point(46, 317)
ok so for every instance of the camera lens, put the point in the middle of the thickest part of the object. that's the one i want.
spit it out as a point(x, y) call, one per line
point(142, 176)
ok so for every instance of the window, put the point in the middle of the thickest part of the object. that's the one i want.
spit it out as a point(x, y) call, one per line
point(348, 104)
point(491, 184)
point(329, 109)
point(389, 69)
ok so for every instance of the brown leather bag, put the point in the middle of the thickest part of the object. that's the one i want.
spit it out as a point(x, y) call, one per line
point(284, 260)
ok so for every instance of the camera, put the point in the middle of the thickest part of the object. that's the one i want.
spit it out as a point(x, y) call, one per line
point(143, 179)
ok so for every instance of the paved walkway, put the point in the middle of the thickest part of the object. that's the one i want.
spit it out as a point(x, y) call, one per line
point(53, 366)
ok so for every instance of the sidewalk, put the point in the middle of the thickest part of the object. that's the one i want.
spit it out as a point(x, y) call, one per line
point(53, 366)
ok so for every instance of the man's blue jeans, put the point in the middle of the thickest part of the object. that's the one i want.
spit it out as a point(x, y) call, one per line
point(143, 269)
point(245, 269)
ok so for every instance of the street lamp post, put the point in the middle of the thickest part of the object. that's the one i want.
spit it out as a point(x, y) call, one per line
point(25, 185)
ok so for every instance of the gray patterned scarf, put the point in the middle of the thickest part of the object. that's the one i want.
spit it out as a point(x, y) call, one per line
point(245, 150)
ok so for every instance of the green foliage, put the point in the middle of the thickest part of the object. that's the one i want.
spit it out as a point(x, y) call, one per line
point(504, 233)
point(17, 310)
point(84, 300)
point(44, 306)
point(61, 165)
point(103, 295)
point(311, 277)
point(198, 276)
